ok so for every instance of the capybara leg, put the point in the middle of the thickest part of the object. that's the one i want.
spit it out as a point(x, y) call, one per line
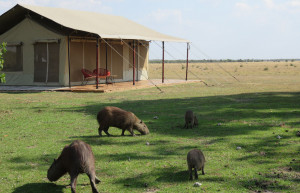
point(73, 183)
point(106, 131)
point(92, 181)
point(196, 173)
point(131, 131)
point(191, 173)
point(100, 131)
point(97, 180)
point(203, 171)
point(123, 131)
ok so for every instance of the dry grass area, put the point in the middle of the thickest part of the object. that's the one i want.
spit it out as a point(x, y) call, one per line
point(251, 73)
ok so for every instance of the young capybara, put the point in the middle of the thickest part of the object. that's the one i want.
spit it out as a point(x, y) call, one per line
point(125, 120)
point(196, 160)
point(190, 119)
point(75, 159)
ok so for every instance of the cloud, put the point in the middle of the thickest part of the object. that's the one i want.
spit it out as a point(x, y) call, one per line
point(243, 6)
point(243, 9)
point(163, 15)
point(294, 3)
point(270, 4)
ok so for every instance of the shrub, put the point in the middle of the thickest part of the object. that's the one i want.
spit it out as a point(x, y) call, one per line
point(2, 51)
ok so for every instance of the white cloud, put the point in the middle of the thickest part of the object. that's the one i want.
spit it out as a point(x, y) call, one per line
point(270, 4)
point(162, 15)
point(294, 3)
point(243, 6)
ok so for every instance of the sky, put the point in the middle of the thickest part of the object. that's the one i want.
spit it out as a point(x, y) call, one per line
point(217, 29)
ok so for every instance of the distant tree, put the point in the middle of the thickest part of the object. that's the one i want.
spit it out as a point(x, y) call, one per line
point(2, 51)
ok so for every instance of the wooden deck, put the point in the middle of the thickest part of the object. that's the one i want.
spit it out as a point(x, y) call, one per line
point(122, 86)
point(115, 87)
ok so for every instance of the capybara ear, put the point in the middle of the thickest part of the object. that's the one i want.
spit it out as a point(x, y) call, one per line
point(141, 121)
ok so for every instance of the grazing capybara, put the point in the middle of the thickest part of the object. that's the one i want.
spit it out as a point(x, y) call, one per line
point(190, 119)
point(196, 160)
point(125, 120)
point(74, 159)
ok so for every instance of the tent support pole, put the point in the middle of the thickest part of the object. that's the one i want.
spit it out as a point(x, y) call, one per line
point(133, 63)
point(97, 69)
point(106, 61)
point(163, 62)
point(69, 63)
point(187, 61)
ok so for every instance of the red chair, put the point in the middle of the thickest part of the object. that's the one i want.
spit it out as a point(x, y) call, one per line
point(87, 74)
point(103, 73)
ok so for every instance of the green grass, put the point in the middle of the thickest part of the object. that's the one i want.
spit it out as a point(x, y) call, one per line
point(36, 126)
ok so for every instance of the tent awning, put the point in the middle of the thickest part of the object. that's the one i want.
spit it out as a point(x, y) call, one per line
point(103, 25)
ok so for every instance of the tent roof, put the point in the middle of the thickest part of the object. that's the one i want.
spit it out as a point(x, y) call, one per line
point(102, 25)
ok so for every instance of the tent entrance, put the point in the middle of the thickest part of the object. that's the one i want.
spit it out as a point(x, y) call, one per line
point(46, 62)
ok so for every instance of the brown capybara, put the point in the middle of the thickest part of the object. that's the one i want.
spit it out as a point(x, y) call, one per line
point(196, 160)
point(125, 120)
point(190, 119)
point(74, 159)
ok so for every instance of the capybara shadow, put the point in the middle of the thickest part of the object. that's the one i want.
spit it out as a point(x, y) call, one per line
point(125, 120)
point(39, 187)
point(75, 159)
point(195, 160)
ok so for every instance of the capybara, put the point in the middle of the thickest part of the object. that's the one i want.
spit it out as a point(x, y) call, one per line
point(190, 119)
point(196, 160)
point(125, 120)
point(74, 159)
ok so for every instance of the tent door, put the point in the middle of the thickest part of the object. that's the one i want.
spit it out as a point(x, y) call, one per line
point(46, 62)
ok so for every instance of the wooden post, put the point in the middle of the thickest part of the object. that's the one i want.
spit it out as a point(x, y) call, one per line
point(163, 62)
point(133, 63)
point(106, 61)
point(69, 63)
point(187, 61)
point(97, 58)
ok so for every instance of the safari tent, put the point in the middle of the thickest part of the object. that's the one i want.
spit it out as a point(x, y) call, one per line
point(50, 46)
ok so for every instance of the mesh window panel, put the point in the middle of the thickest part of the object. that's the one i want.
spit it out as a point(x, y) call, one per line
point(13, 59)
point(53, 68)
point(41, 68)
point(40, 62)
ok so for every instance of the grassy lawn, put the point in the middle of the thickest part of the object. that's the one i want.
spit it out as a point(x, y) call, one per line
point(249, 113)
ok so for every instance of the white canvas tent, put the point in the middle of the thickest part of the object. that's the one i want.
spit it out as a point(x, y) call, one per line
point(49, 46)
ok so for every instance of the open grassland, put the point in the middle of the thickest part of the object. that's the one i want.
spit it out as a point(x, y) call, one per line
point(256, 74)
point(249, 113)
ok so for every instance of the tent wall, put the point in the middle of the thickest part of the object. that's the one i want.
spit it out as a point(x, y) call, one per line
point(28, 32)
point(114, 59)
point(141, 61)
point(82, 55)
